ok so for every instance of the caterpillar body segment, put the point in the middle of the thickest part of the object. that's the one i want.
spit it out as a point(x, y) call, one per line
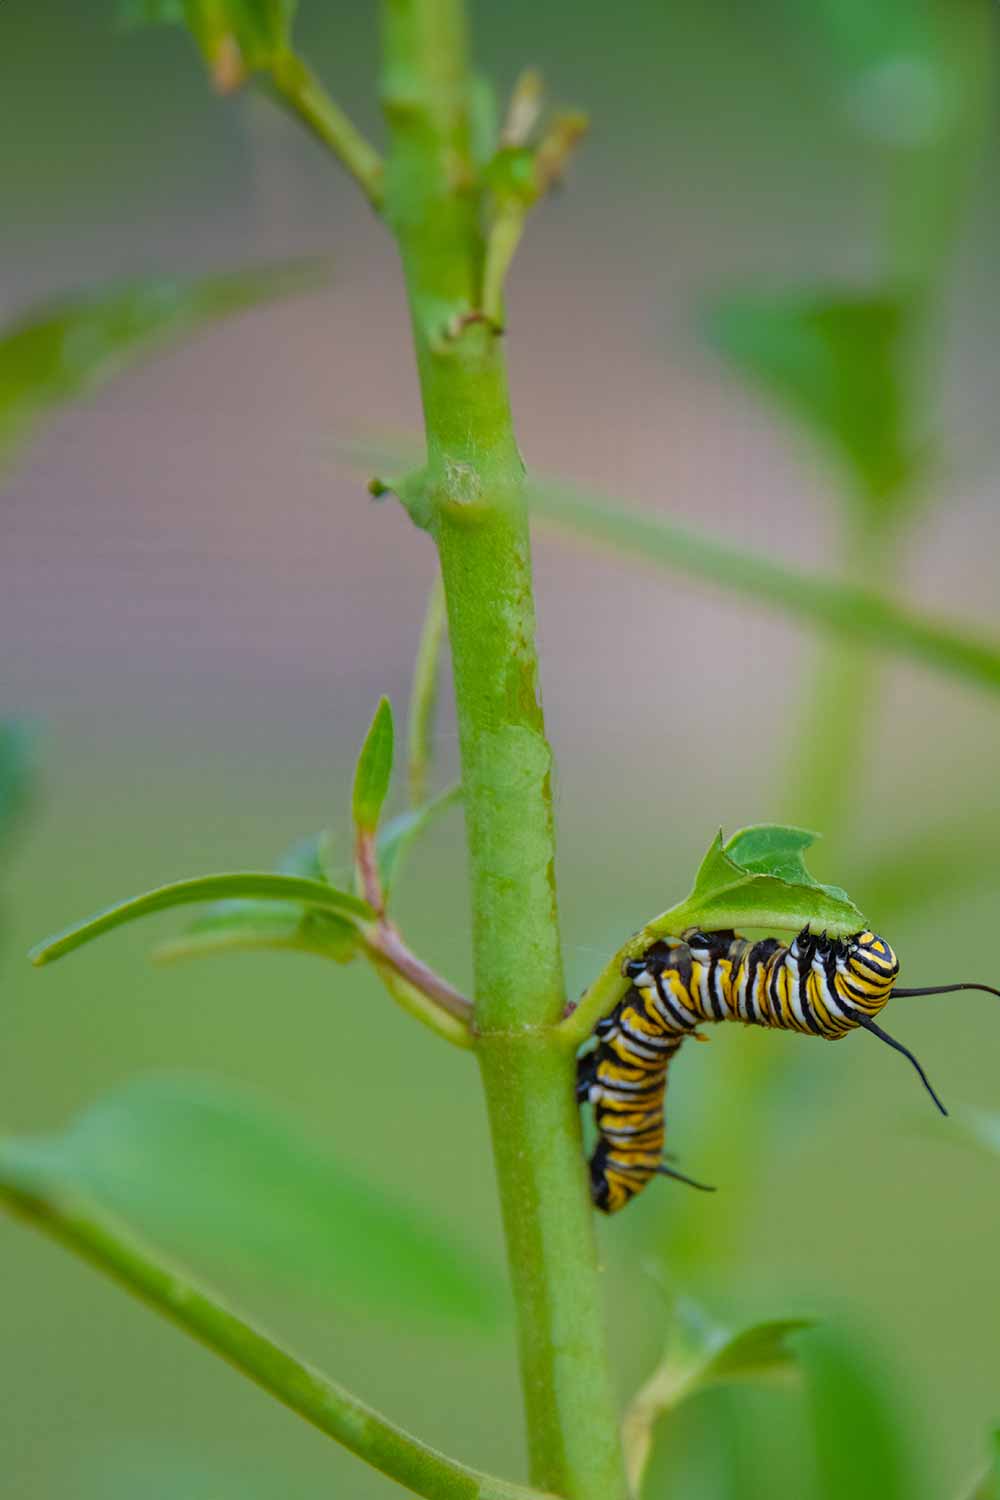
point(816, 985)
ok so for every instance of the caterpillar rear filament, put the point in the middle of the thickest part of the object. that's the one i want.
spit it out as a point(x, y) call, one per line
point(817, 985)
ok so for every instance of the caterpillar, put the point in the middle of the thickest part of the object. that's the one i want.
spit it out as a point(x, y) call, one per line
point(817, 985)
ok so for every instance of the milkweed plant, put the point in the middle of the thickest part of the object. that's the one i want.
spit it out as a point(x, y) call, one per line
point(456, 186)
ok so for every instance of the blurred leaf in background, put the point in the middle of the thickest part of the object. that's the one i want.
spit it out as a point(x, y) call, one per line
point(699, 1355)
point(838, 363)
point(987, 1487)
point(69, 346)
point(206, 1171)
point(16, 775)
point(857, 1421)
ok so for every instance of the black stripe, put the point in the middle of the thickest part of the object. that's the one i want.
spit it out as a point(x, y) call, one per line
point(670, 1005)
point(714, 1001)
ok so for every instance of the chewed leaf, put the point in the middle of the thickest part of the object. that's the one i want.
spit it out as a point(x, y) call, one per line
point(211, 1174)
point(838, 363)
point(62, 349)
point(374, 769)
point(771, 849)
point(758, 878)
point(241, 883)
point(701, 1354)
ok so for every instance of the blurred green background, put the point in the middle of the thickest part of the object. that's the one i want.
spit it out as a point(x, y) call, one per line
point(200, 607)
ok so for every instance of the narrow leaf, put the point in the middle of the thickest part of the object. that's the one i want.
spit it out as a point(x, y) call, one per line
point(823, 602)
point(207, 1172)
point(63, 349)
point(374, 769)
point(261, 884)
point(241, 925)
point(232, 926)
point(826, 603)
point(839, 364)
point(398, 836)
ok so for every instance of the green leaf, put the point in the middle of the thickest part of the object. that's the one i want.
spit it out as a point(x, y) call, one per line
point(289, 888)
point(241, 925)
point(236, 37)
point(826, 603)
point(16, 773)
point(856, 1426)
point(65, 348)
point(758, 879)
point(209, 1173)
point(823, 602)
point(398, 835)
point(701, 1354)
point(374, 769)
point(839, 364)
point(234, 926)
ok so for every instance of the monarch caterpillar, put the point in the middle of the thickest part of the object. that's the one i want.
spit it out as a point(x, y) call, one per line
point(818, 985)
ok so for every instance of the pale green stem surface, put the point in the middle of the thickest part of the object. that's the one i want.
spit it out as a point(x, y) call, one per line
point(106, 1245)
point(475, 510)
point(423, 697)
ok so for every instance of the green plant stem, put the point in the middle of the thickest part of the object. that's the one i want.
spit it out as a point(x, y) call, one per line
point(96, 1238)
point(423, 697)
point(301, 92)
point(473, 504)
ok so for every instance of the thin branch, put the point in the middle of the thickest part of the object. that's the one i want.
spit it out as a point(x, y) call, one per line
point(423, 696)
point(301, 92)
point(385, 941)
point(366, 869)
point(416, 1003)
point(512, 207)
point(99, 1240)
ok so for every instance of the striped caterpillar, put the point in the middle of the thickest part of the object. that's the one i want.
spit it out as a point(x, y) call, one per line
point(817, 985)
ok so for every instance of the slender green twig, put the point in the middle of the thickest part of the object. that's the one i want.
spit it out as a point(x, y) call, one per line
point(301, 92)
point(423, 696)
point(98, 1239)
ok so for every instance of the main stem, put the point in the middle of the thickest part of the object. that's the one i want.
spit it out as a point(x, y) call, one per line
point(473, 504)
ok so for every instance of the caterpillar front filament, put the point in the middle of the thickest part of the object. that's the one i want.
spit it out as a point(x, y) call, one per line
point(817, 985)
